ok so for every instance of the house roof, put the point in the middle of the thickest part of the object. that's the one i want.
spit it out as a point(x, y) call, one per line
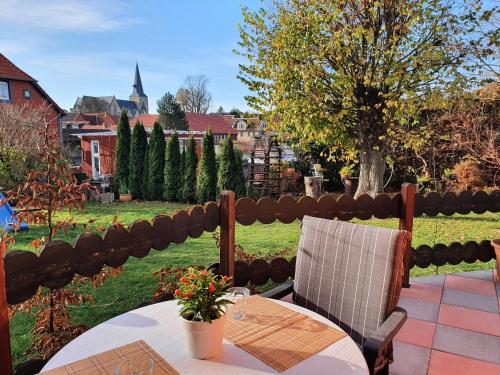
point(91, 120)
point(128, 104)
point(197, 122)
point(10, 71)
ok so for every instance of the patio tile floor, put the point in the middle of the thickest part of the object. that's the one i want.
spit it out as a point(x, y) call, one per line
point(453, 326)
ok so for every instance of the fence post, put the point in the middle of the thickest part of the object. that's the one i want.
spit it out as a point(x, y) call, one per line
point(5, 355)
point(227, 227)
point(406, 223)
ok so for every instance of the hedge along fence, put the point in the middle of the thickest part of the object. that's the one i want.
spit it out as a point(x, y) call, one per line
point(23, 271)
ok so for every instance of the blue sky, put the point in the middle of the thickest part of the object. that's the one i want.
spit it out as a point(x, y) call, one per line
point(76, 47)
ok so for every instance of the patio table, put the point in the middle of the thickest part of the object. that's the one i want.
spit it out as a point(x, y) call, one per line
point(161, 327)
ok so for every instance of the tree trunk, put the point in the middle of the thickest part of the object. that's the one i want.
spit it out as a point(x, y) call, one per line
point(371, 174)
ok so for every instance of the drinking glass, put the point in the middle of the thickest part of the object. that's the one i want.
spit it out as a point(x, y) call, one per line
point(136, 365)
point(239, 296)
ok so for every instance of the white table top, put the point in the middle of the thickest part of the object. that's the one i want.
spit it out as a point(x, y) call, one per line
point(160, 326)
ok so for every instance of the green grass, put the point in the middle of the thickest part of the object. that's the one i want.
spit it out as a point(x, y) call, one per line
point(136, 284)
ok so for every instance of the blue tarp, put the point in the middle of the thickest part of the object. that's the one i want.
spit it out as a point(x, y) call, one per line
point(6, 220)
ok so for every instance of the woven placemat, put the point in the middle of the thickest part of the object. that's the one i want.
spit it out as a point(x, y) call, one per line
point(106, 362)
point(278, 336)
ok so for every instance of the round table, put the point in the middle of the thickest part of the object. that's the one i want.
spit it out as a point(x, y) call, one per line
point(161, 327)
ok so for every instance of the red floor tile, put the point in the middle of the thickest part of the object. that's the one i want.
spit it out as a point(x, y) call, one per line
point(417, 332)
point(470, 285)
point(473, 320)
point(425, 292)
point(446, 363)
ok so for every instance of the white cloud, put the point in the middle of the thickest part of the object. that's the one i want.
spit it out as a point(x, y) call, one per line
point(67, 15)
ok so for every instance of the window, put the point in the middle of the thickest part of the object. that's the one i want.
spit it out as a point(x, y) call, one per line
point(96, 168)
point(27, 94)
point(4, 91)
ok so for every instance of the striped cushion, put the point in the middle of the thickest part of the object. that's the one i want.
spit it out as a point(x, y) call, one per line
point(343, 271)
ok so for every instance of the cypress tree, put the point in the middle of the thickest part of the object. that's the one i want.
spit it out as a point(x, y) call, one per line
point(189, 180)
point(206, 187)
point(156, 163)
point(137, 155)
point(239, 175)
point(172, 186)
point(225, 174)
point(122, 155)
point(145, 194)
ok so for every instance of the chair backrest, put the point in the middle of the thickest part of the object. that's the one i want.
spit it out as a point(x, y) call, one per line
point(349, 273)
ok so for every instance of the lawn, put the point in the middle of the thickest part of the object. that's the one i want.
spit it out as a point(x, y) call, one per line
point(136, 284)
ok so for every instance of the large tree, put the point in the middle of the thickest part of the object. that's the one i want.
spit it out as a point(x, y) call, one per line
point(173, 177)
point(171, 116)
point(194, 95)
point(156, 163)
point(189, 180)
point(138, 148)
point(122, 157)
point(206, 185)
point(352, 74)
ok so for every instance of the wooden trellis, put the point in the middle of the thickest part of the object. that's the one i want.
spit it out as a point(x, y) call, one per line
point(265, 178)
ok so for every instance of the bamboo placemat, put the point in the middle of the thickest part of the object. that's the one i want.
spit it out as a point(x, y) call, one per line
point(106, 362)
point(278, 336)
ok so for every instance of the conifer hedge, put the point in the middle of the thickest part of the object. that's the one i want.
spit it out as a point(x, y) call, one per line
point(156, 163)
point(172, 181)
point(122, 154)
point(137, 155)
point(189, 180)
point(206, 186)
point(225, 173)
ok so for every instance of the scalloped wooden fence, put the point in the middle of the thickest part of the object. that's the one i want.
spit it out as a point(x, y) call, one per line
point(59, 261)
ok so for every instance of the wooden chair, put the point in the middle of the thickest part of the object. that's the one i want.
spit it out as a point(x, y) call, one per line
point(352, 274)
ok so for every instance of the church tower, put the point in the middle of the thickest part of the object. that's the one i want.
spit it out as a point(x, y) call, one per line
point(138, 95)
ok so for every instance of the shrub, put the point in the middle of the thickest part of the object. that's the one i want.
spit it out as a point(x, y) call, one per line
point(122, 157)
point(469, 175)
point(172, 185)
point(206, 187)
point(189, 180)
point(137, 155)
point(156, 163)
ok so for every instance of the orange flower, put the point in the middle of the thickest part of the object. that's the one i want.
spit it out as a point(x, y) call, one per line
point(184, 280)
point(177, 292)
point(226, 278)
point(192, 276)
point(211, 288)
point(204, 272)
point(188, 295)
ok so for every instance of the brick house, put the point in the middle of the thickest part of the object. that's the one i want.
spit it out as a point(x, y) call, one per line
point(98, 148)
point(17, 87)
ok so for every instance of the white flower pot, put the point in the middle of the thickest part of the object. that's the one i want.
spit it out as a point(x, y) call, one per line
point(204, 340)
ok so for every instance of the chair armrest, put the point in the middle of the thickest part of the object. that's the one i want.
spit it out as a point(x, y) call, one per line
point(379, 343)
point(279, 292)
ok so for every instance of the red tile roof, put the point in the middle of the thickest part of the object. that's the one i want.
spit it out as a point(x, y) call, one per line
point(10, 71)
point(196, 121)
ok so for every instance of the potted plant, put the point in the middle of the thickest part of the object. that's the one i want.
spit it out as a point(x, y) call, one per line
point(125, 195)
point(201, 295)
point(350, 182)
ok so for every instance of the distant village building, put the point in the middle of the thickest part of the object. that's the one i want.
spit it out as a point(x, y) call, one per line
point(136, 105)
point(18, 88)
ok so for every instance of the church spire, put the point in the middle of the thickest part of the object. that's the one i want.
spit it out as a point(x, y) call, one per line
point(138, 91)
